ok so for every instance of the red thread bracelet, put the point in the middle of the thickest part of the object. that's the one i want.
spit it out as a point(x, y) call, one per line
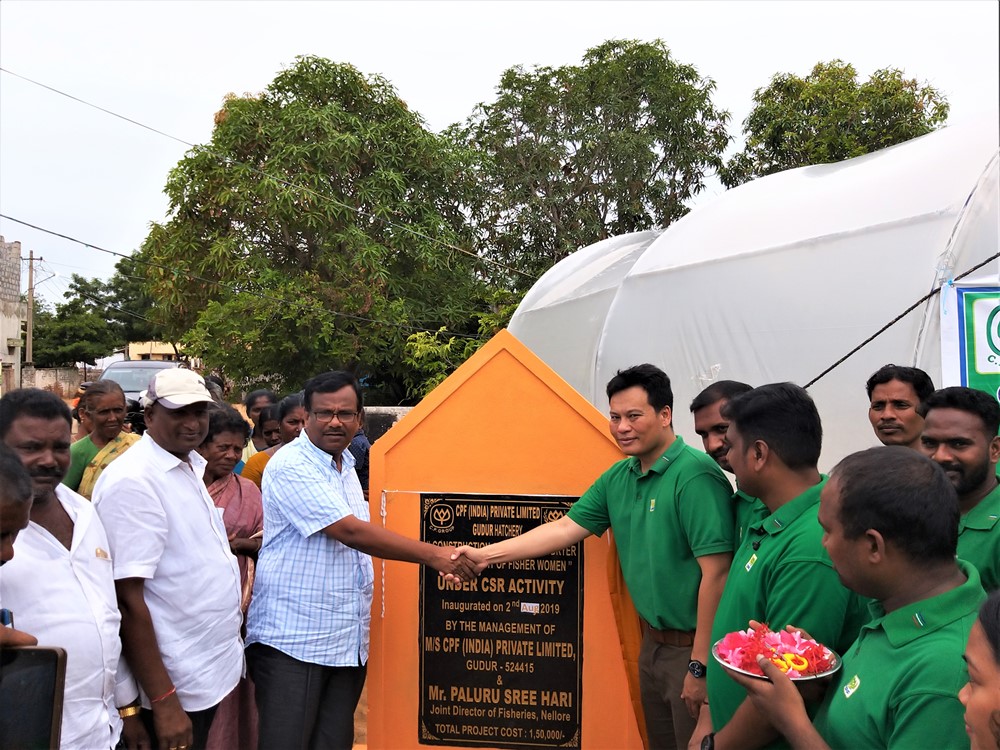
point(165, 695)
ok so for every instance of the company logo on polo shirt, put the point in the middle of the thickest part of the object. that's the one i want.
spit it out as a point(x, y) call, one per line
point(851, 687)
point(751, 561)
point(442, 518)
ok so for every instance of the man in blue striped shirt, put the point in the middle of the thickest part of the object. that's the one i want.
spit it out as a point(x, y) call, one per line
point(307, 630)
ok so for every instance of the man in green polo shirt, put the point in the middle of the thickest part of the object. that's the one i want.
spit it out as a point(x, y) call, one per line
point(711, 427)
point(891, 523)
point(781, 574)
point(895, 394)
point(669, 508)
point(960, 434)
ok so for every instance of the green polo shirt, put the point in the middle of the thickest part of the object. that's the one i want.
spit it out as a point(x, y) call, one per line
point(979, 539)
point(81, 453)
point(899, 684)
point(787, 580)
point(663, 520)
point(749, 511)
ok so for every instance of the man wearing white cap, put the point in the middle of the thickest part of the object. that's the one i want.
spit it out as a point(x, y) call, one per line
point(178, 584)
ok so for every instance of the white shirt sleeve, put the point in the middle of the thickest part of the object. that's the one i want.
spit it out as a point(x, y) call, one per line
point(136, 524)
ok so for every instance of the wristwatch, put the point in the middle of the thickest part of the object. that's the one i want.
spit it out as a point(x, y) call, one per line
point(696, 668)
point(708, 742)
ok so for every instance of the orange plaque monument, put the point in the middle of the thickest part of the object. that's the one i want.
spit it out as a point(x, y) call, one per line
point(528, 655)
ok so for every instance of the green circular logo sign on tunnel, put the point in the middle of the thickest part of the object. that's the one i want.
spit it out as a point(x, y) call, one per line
point(993, 330)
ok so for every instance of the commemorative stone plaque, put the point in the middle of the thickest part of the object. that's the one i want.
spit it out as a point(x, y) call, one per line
point(501, 657)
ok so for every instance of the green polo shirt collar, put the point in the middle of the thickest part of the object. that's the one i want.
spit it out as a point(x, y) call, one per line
point(985, 515)
point(785, 516)
point(662, 463)
point(916, 620)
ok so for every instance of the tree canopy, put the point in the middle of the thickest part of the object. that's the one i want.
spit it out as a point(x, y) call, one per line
point(574, 154)
point(829, 116)
point(325, 226)
point(77, 331)
point(319, 228)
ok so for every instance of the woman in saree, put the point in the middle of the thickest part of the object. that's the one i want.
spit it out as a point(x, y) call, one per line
point(235, 723)
point(103, 403)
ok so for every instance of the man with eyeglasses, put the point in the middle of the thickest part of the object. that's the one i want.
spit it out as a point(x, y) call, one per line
point(307, 630)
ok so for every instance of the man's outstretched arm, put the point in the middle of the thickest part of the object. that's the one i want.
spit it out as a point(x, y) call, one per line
point(388, 545)
point(540, 541)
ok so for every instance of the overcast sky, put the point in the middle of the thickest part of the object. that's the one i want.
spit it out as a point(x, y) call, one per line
point(73, 170)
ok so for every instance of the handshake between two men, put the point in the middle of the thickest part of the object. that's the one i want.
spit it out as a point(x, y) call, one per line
point(465, 562)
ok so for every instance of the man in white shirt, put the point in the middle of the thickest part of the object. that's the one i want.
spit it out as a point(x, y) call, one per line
point(59, 582)
point(178, 584)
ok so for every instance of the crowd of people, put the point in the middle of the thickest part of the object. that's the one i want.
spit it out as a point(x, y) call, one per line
point(887, 560)
point(164, 563)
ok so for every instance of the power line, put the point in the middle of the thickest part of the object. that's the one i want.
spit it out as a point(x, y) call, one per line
point(261, 291)
point(899, 317)
point(67, 291)
point(95, 106)
point(228, 161)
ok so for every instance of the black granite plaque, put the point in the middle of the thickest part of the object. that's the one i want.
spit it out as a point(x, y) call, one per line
point(501, 659)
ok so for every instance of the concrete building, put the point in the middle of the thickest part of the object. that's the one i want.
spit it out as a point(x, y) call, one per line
point(151, 350)
point(13, 313)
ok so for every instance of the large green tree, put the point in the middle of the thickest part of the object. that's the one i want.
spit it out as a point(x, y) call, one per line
point(319, 228)
point(74, 333)
point(128, 304)
point(122, 303)
point(574, 154)
point(830, 116)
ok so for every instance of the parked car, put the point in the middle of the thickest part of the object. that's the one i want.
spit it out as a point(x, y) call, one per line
point(133, 375)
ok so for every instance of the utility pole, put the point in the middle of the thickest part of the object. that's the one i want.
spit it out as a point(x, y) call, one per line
point(28, 353)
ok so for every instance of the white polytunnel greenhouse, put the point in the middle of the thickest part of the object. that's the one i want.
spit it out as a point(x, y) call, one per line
point(778, 279)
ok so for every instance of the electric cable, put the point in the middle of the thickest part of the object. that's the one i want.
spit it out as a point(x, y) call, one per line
point(260, 291)
point(899, 317)
point(229, 161)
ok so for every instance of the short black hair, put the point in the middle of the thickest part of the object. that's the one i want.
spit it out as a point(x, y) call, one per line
point(722, 389)
point(224, 418)
point(249, 399)
point(17, 487)
point(782, 415)
point(290, 402)
point(650, 378)
point(920, 380)
point(32, 402)
point(989, 618)
point(972, 400)
point(329, 382)
point(903, 495)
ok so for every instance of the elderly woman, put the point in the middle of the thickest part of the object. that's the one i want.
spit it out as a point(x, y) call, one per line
point(235, 723)
point(103, 403)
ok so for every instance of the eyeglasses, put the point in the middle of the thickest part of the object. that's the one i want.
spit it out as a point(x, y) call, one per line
point(344, 417)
